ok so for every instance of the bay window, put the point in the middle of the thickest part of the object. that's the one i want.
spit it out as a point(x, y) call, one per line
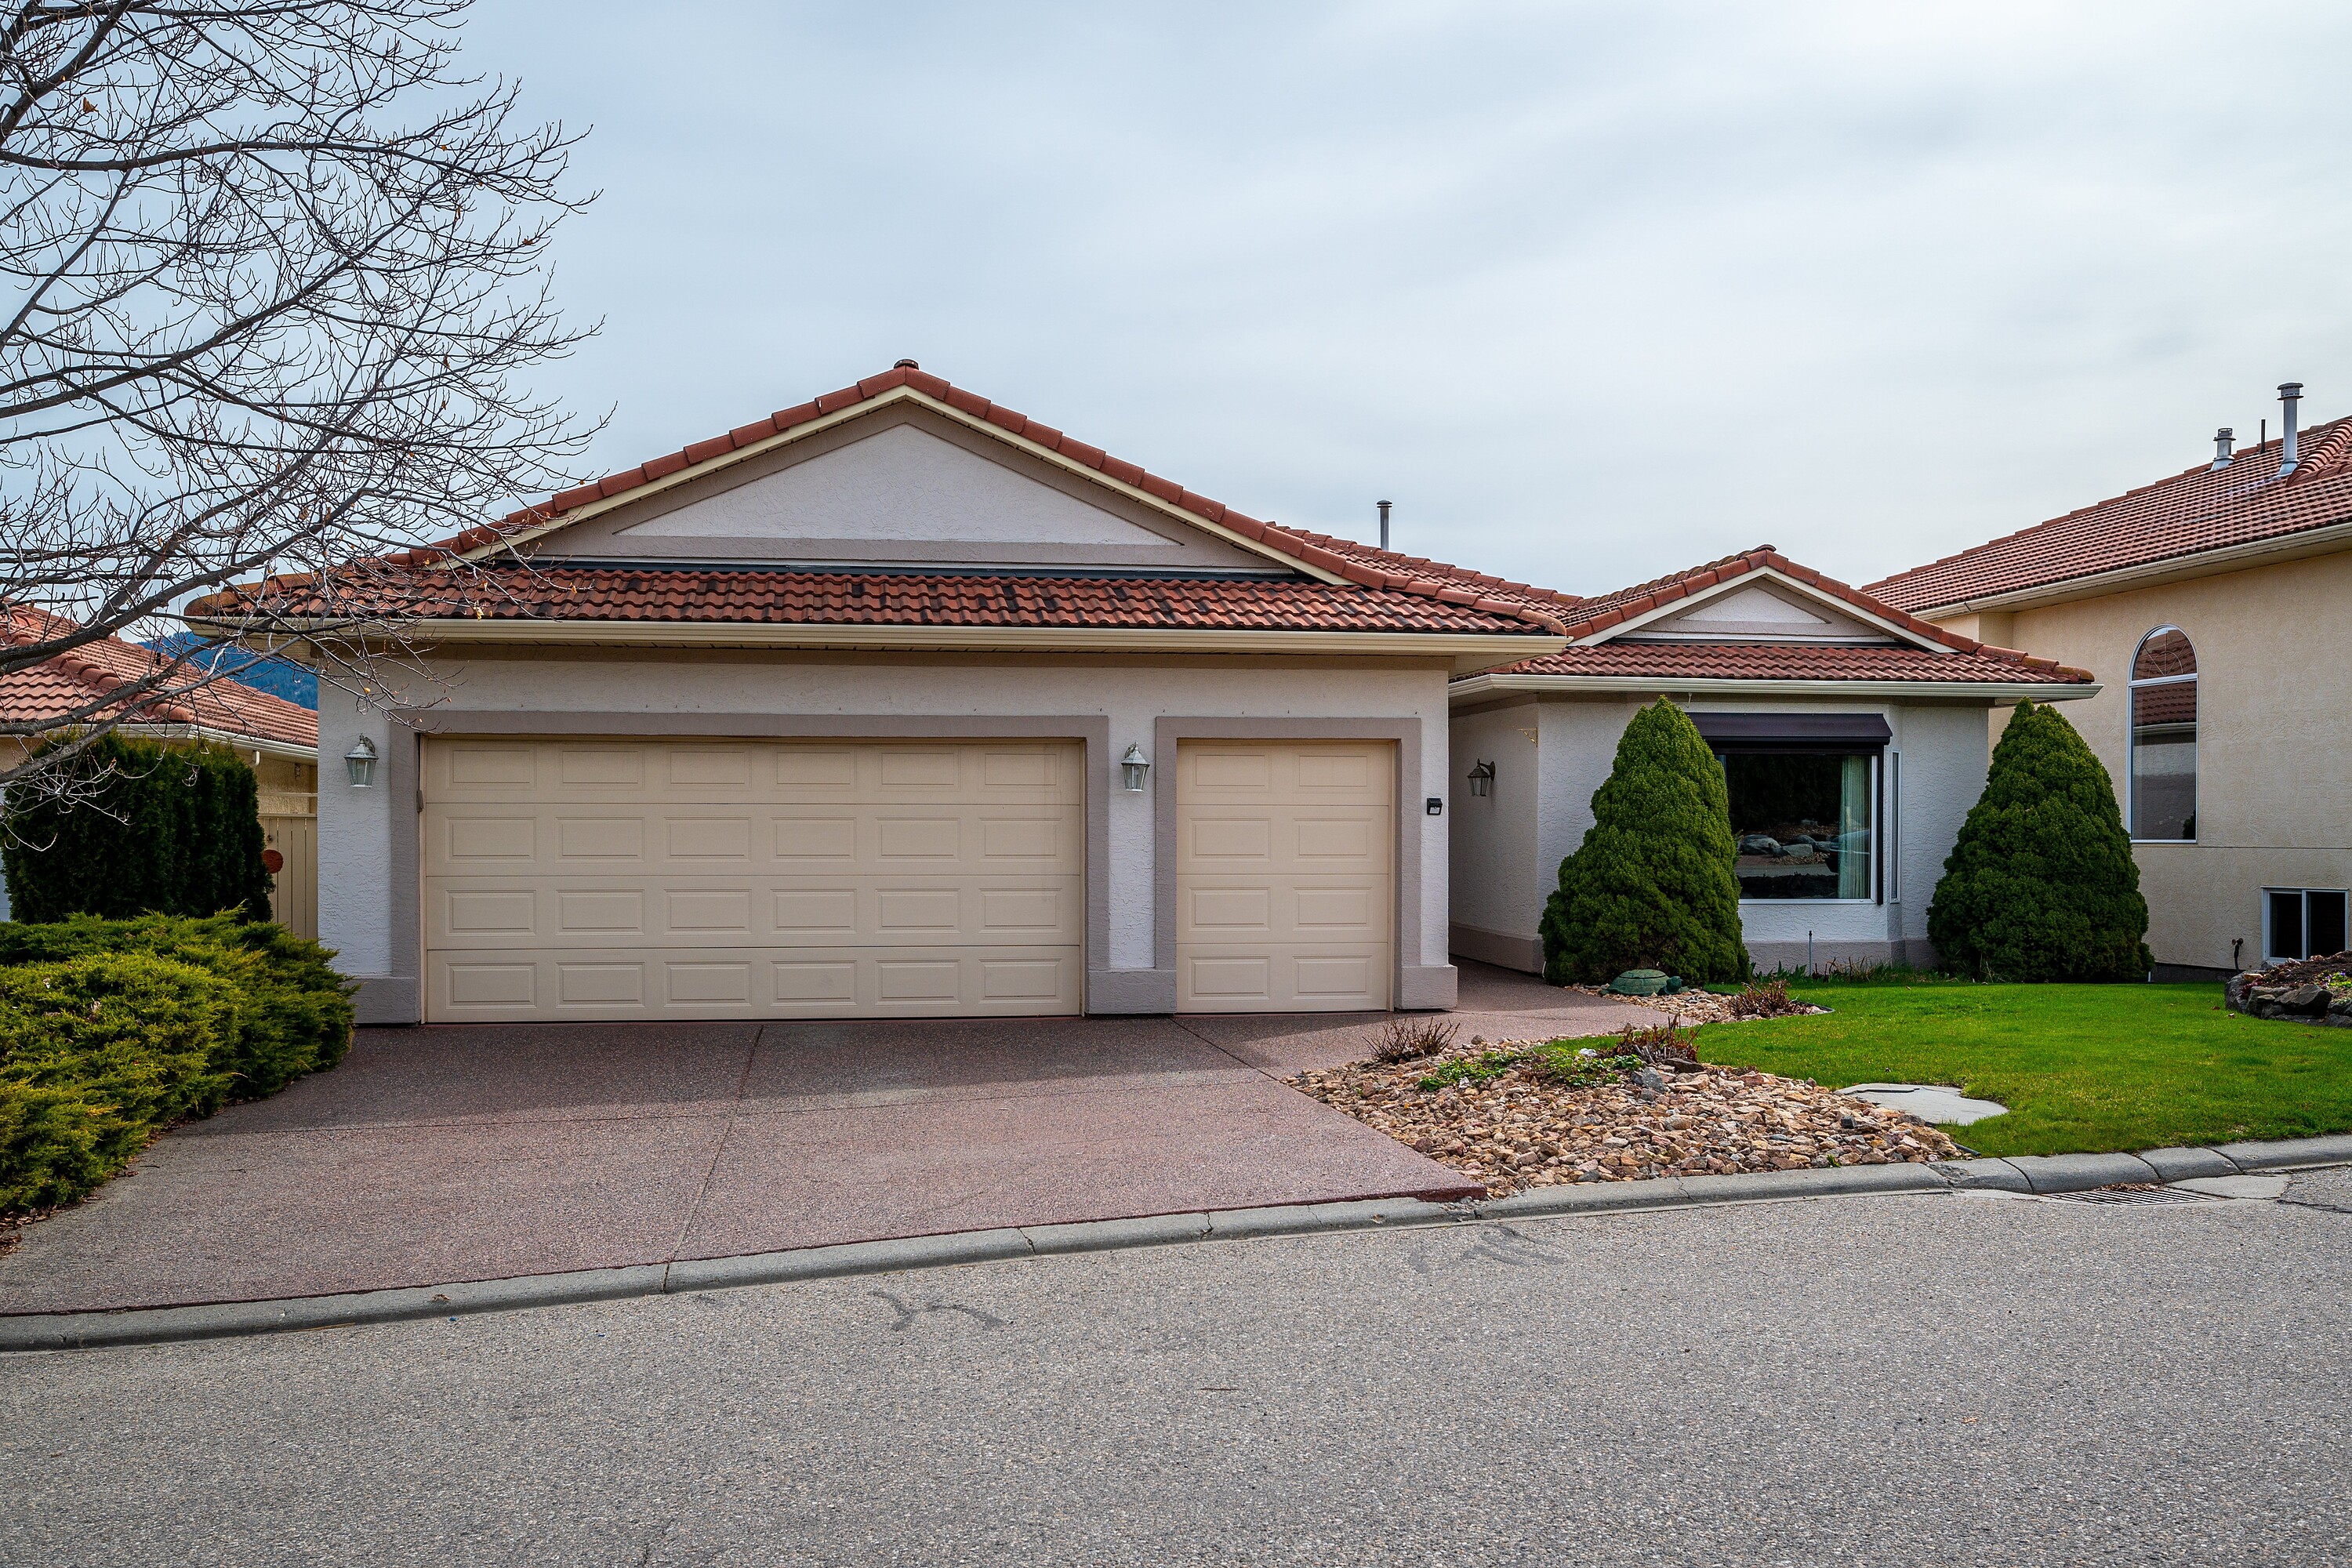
point(1804, 796)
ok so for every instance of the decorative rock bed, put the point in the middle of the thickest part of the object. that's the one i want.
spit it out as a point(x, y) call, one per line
point(1511, 1117)
point(2309, 991)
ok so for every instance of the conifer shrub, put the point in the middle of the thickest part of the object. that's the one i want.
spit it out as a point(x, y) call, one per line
point(292, 1010)
point(112, 1030)
point(2041, 884)
point(1651, 885)
point(144, 828)
point(97, 1054)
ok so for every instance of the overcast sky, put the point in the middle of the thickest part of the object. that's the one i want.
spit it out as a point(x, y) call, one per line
point(1591, 292)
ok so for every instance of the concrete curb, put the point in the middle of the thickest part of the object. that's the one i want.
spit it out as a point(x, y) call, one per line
point(2027, 1174)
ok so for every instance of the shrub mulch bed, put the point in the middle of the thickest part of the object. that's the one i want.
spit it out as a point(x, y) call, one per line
point(1696, 1006)
point(1520, 1115)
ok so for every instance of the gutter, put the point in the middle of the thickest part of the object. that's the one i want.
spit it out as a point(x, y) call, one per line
point(2148, 574)
point(290, 750)
point(1479, 687)
point(1469, 652)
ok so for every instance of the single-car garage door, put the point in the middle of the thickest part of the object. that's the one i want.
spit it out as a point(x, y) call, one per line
point(583, 878)
point(1285, 900)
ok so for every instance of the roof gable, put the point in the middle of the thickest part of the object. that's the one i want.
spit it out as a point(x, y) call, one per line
point(901, 485)
point(1752, 611)
point(1607, 646)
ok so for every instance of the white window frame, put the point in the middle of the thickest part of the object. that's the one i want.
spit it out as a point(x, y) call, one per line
point(2269, 957)
point(2131, 745)
point(1878, 894)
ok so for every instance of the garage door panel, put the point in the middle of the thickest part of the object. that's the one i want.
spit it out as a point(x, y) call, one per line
point(658, 878)
point(1282, 977)
point(1284, 896)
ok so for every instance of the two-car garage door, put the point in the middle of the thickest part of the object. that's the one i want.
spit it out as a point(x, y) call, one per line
point(679, 878)
point(613, 878)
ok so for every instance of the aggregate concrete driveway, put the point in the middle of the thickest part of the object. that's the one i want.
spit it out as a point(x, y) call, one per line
point(482, 1152)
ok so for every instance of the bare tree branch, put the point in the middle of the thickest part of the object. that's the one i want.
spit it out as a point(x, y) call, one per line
point(270, 278)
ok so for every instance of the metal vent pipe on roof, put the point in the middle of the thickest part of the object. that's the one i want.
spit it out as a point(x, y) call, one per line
point(2290, 394)
point(1384, 525)
point(2222, 439)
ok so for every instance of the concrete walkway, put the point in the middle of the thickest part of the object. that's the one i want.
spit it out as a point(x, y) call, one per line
point(440, 1154)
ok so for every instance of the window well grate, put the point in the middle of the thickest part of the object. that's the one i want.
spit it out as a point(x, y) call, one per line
point(2137, 1192)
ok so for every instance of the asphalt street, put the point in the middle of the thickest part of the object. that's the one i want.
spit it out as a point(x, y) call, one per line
point(1950, 1380)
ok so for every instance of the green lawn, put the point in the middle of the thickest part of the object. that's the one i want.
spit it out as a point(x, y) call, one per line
point(2080, 1067)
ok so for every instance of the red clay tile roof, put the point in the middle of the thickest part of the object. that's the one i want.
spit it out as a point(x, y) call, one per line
point(1954, 657)
point(1396, 574)
point(1791, 661)
point(690, 594)
point(2201, 510)
point(69, 682)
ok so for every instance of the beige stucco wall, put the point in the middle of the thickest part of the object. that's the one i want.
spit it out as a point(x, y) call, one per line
point(2273, 735)
point(1507, 859)
point(1496, 879)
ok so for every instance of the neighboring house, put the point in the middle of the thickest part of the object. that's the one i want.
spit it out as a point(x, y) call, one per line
point(900, 703)
point(2215, 606)
point(279, 739)
point(1853, 738)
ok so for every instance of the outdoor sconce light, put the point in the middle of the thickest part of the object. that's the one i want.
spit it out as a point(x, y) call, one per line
point(1481, 779)
point(1133, 768)
point(360, 760)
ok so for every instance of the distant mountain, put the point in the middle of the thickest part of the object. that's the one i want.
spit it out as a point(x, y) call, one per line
point(278, 677)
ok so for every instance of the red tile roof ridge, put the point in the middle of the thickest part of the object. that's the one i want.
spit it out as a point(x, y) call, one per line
point(1613, 609)
point(2216, 508)
point(1310, 549)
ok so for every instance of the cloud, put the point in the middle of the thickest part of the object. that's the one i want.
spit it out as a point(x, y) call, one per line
point(1591, 292)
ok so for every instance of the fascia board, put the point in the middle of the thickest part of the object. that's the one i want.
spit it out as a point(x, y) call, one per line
point(1748, 579)
point(874, 406)
point(1478, 687)
point(2153, 573)
point(1468, 651)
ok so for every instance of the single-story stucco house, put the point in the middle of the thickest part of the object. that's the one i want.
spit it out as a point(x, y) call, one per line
point(1853, 738)
point(900, 703)
point(101, 679)
point(2215, 608)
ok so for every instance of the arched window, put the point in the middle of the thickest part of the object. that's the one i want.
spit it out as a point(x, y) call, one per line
point(2164, 738)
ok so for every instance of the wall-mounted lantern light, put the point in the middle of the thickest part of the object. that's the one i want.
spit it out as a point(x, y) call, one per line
point(1481, 779)
point(1133, 769)
point(360, 760)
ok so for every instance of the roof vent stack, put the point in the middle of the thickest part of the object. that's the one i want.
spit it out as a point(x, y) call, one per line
point(2222, 439)
point(1384, 525)
point(2290, 394)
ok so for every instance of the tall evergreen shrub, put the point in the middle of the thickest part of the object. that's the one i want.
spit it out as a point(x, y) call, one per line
point(2041, 884)
point(173, 829)
point(1651, 885)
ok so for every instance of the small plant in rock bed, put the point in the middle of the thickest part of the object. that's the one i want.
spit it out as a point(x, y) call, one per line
point(1566, 1065)
point(1482, 1068)
point(1409, 1039)
point(1767, 999)
point(1668, 1045)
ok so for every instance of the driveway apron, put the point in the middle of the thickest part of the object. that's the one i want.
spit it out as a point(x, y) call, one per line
point(439, 1155)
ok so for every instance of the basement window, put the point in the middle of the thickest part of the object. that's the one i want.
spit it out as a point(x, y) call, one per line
point(2301, 922)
